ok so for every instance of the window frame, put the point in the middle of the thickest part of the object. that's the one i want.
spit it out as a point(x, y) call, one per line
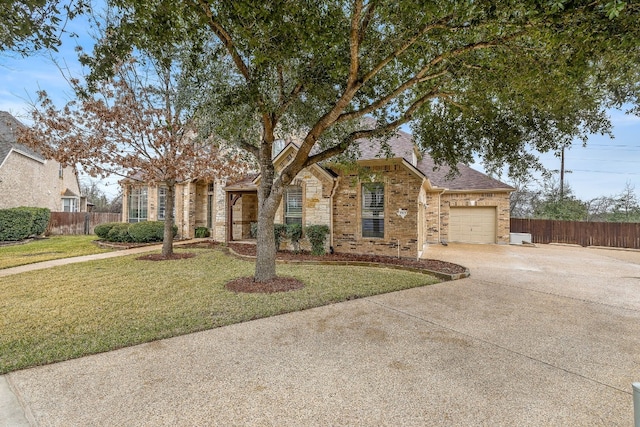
point(141, 196)
point(295, 217)
point(372, 215)
point(162, 203)
point(74, 205)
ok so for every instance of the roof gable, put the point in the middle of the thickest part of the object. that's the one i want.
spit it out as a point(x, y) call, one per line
point(9, 126)
point(401, 145)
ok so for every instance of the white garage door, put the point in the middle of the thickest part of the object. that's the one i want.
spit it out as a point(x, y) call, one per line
point(472, 224)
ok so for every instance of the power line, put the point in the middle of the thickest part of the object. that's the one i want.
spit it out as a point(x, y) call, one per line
point(606, 160)
point(612, 145)
point(608, 172)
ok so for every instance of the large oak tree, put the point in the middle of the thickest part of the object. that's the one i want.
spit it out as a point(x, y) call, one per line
point(497, 80)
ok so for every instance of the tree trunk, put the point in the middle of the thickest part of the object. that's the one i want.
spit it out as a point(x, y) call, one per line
point(266, 245)
point(167, 240)
point(269, 196)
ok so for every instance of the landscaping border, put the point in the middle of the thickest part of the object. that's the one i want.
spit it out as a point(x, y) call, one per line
point(444, 276)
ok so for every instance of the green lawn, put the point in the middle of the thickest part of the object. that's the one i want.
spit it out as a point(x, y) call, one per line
point(47, 249)
point(75, 310)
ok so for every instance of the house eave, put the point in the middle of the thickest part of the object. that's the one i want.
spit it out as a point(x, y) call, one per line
point(24, 153)
point(481, 190)
point(393, 161)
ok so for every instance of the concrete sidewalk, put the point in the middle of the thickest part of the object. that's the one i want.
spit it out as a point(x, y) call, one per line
point(537, 336)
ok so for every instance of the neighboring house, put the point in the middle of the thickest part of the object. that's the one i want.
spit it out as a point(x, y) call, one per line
point(28, 179)
point(399, 205)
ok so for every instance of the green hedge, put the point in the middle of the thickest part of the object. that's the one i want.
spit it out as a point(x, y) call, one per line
point(279, 231)
point(20, 223)
point(40, 220)
point(202, 232)
point(119, 233)
point(15, 224)
point(102, 230)
point(139, 232)
point(317, 235)
point(149, 231)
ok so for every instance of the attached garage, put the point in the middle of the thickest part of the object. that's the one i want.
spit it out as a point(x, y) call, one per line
point(475, 224)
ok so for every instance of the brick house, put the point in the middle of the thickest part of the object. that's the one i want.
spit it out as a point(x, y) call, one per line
point(389, 205)
point(28, 179)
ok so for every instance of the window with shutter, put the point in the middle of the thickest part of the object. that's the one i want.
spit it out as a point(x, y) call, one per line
point(372, 210)
point(293, 205)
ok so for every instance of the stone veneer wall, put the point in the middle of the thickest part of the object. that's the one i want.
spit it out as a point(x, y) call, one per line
point(401, 191)
point(316, 200)
point(219, 231)
point(190, 207)
point(499, 200)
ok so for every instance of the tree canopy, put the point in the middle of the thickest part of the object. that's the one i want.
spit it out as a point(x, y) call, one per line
point(30, 25)
point(496, 80)
point(138, 124)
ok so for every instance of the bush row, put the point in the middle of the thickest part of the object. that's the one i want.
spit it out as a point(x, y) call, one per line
point(20, 223)
point(316, 234)
point(139, 232)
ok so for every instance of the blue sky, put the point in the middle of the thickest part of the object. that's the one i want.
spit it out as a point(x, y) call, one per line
point(602, 168)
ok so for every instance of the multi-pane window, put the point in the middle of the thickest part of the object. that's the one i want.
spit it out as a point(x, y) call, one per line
point(373, 209)
point(162, 203)
point(69, 204)
point(138, 204)
point(293, 205)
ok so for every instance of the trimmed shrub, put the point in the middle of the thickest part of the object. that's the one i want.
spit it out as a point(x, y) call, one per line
point(119, 233)
point(102, 230)
point(22, 222)
point(39, 219)
point(149, 231)
point(294, 233)
point(317, 235)
point(202, 232)
point(279, 230)
point(15, 224)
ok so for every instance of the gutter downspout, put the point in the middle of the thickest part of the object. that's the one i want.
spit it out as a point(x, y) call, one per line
point(439, 213)
point(333, 192)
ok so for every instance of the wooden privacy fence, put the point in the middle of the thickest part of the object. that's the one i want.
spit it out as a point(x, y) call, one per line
point(611, 234)
point(78, 222)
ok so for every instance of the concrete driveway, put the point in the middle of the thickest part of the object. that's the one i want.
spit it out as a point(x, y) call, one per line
point(544, 336)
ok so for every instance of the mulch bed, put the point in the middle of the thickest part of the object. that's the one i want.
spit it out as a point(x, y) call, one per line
point(425, 264)
point(285, 284)
point(160, 257)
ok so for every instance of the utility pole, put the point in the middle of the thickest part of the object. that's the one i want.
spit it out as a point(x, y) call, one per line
point(562, 174)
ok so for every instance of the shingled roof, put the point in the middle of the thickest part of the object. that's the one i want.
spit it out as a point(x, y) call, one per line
point(402, 145)
point(9, 126)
